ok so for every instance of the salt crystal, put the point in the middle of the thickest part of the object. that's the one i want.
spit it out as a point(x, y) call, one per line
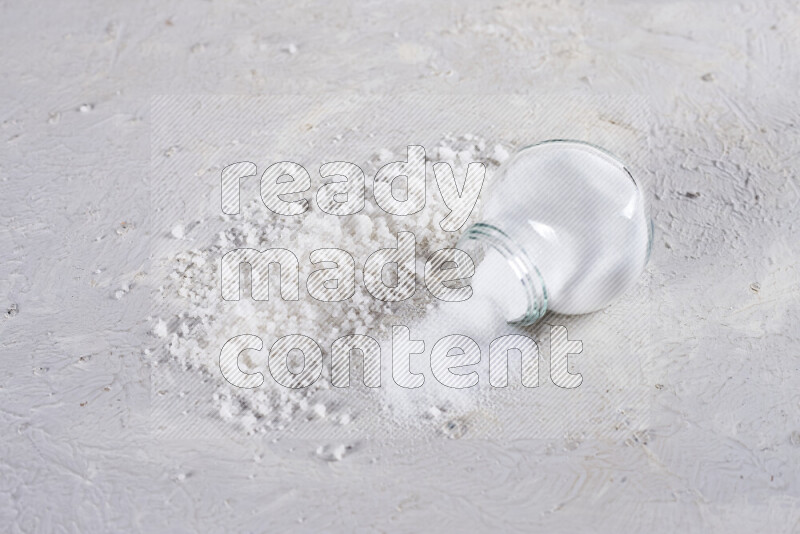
point(446, 154)
point(320, 410)
point(434, 412)
point(500, 154)
point(333, 453)
point(160, 329)
point(362, 226)
point(384, 155)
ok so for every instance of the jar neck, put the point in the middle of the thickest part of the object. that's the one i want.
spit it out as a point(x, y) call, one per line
point(484, 235)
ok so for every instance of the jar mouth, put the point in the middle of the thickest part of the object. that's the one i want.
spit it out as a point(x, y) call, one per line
point(487, 235)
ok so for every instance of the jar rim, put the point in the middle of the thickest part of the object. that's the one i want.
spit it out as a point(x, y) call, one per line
point(519, 261)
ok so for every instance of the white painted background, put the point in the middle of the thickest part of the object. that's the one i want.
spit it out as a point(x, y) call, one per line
point(723, 449)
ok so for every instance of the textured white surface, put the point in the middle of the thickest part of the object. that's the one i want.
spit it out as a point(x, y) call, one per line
point(723, 450)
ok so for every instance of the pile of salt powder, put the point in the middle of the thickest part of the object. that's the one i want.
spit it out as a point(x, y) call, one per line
point(195, 334)
point(497, 297)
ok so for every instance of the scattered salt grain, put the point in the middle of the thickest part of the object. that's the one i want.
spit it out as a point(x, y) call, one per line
point(500, 154)
point(384, 155)
point(160, 329)
point(122, 291)
point(319, 410)
point(332, 453)
point(446, 153)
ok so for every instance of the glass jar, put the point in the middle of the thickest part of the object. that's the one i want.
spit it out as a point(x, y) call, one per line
point(566, 228)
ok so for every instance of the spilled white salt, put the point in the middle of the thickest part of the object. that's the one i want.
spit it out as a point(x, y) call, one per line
point(495, 280)
point(332, 453)
point(202, 322)
point(177, 231)
point(160, 329)
point(320, 410)
point(497, 298)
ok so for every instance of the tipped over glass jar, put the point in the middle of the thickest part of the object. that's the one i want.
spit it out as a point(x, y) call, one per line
point(566, 229)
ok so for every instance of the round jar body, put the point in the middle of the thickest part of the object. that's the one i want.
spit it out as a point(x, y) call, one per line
point(572, 225)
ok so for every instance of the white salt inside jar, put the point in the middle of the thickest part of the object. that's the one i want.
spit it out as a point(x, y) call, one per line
point(565, 228)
